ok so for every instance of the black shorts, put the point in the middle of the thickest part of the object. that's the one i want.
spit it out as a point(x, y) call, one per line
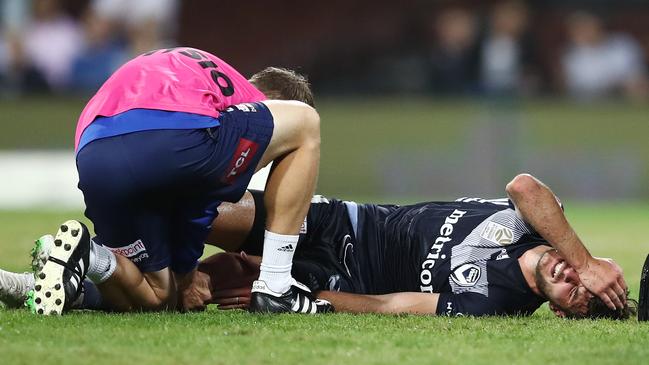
point(328, 255)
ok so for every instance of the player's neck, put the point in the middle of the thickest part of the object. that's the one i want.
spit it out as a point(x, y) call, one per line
point(528, 262)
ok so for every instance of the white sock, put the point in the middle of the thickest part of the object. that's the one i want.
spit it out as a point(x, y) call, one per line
point(15, 285)
point(277, 261)
point(102, 263)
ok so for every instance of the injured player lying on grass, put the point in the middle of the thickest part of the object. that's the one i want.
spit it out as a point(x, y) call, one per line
point(466, 257)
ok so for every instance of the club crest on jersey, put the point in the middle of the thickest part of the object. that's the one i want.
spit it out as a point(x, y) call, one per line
point(497, 233)
point(466, 275)
point(244, 153)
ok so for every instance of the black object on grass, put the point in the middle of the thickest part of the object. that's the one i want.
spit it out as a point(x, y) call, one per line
point(643, 306)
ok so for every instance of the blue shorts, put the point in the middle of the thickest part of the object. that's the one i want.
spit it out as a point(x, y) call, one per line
point(152, 195)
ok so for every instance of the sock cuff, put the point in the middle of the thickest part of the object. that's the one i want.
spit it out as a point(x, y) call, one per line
point(285, 238)
point(276, 268)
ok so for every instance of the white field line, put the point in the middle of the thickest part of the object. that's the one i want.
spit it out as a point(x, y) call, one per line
point(48, 180)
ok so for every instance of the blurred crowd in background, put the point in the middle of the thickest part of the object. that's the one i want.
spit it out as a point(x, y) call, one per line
point(446, 48)
point(58, 46)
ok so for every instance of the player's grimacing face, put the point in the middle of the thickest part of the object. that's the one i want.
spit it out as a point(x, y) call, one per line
point(560, 283)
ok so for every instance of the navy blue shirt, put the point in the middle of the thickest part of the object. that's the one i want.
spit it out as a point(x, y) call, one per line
point(467, 251)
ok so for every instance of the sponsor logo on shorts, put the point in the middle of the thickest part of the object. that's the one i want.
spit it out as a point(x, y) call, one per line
point(244, 153)
point(466, 275)
point(136, 251)
point(140, 258)
point(132, 250)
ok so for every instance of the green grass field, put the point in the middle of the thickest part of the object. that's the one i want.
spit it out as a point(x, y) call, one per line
point(214, 337)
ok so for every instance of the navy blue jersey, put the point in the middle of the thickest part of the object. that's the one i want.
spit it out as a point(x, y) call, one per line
point(467, 251)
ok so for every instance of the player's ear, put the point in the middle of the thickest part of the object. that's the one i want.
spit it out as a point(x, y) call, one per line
point(556, 310)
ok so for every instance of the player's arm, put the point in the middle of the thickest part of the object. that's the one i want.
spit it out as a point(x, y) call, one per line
point(397, 303)
point(231, 275)
point(539, 207)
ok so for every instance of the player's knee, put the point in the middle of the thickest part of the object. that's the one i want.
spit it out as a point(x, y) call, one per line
point(311, 127)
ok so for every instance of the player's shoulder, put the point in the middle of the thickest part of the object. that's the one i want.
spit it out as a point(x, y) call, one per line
point(465, 204)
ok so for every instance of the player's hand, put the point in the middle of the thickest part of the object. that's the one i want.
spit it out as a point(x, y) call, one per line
point(231, 276)
point(195, 292)
point(235, 298)
point(604, 278)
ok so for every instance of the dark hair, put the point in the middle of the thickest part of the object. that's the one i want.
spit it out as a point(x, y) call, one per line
point(597, 309)
point(283, 84)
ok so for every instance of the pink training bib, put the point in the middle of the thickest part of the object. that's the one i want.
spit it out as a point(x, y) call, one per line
point(177, 79)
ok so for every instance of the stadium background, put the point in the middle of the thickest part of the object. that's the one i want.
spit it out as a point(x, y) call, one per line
point(414, 103)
